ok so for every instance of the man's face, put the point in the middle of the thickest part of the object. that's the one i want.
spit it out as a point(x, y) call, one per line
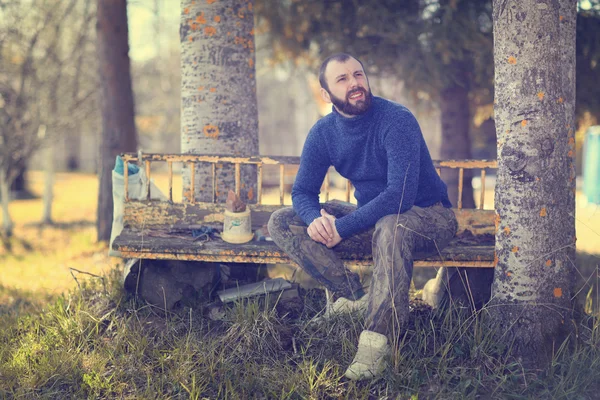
point(348, 87)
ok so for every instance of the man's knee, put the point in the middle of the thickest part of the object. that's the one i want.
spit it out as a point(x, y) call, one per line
point(393, 229)
point(280, 222)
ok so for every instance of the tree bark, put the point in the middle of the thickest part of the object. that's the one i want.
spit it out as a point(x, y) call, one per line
point(218, 88)
point(118, 126)
point(48, 197)
point(534, 52)
point(7, 223)
point(455, 117)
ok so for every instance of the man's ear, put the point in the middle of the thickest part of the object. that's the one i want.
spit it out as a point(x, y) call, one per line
point(325, 96)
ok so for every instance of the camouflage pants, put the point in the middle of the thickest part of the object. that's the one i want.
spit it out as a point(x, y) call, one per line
point(395, 241)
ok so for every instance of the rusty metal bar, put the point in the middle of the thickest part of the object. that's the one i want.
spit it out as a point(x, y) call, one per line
point(439, 171)
point(326, 186)
point(170, 165)
point(148, 180)
point(348, 189)
point(259, 176)
point(237, 179)
point(126, 177)
point(213, 168)
point(461, 174)
point(192, 182)
point(281, 182)
point(289, 160)
point(471, 164)
point(285, 260)
point(482, 195)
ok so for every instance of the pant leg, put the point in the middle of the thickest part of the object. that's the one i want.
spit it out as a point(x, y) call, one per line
point(396, 241)
point(289, 232)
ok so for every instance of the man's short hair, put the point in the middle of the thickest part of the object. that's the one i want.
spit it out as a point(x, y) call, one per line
point(339, 57)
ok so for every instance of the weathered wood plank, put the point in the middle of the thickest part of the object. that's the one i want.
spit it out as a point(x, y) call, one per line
point(145, 245)
point(138, 214)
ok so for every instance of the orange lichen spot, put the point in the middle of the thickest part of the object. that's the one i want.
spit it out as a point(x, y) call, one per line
point(193, 2)
point(495, 259)
point(509, 274)
point(570, 153)
point(199, 100)
point(560, 100)
point(210, 1)
point(213, 89)
point(557, 292)
point(543, 212)
point(191, 39)
point(238, 40)
point(194, 26)
point(512, 60)
point(186, 10)
point(537, 178)
point(200, 19)
point(250, 6)
point(251, 194)
point(211, 131)
point(571, 141)
point(524, 123)
point(541, 95)
point(515, 249)
point(217, 18)
point(548, 263)
point(200, 88)
point(506, 230)
point(251, 62)
point(240, 14)
point(252, 31)
point(228, 33)
point(210, 30)
point(560, 17)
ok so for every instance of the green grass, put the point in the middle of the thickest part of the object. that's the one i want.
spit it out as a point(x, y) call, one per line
point(97, 342)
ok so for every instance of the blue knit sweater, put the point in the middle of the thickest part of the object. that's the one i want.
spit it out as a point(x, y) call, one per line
point(382, 152)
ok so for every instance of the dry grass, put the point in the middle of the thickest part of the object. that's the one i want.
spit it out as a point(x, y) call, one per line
point(119, 348)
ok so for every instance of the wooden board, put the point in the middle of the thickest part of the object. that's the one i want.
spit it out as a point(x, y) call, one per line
point(462, 251)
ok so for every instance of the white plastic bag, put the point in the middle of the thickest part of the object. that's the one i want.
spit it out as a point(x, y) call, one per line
point(137, 184)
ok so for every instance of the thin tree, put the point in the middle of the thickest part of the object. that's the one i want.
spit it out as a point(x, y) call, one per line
point(218, 89)
point(534, 52)
point(118, 125)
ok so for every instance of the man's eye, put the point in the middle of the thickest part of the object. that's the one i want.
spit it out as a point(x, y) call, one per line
point(341, 79)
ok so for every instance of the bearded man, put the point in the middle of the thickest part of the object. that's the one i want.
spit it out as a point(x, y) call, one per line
point(403, 206)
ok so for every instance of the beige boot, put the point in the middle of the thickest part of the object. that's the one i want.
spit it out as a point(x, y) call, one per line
point(344, 306)
point(371, 358)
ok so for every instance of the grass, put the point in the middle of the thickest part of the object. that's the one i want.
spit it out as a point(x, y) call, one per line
point(86, 338)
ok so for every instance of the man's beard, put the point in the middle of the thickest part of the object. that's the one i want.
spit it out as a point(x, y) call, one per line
point(347, 108)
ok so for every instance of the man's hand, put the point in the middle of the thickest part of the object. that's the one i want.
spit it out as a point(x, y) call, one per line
point(323, 230)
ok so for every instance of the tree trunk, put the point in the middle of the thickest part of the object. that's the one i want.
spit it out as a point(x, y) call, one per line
point(218, 88)
point(48, 196)
point(454, 107)
point(118, 126)
point(7, 223)
point(534, 52)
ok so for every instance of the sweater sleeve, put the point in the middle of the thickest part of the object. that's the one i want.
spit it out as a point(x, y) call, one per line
point(314, 163)
point(402, 143)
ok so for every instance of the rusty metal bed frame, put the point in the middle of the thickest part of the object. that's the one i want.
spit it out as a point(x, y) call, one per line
point(473, 247)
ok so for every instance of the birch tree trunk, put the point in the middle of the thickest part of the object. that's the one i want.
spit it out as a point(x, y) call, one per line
point(118, 126)
point(218, 88)
point(7, 222)
point(48, 197)
point(534, 52)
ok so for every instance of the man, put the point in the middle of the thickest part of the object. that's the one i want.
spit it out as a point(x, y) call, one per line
point(403, 206)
